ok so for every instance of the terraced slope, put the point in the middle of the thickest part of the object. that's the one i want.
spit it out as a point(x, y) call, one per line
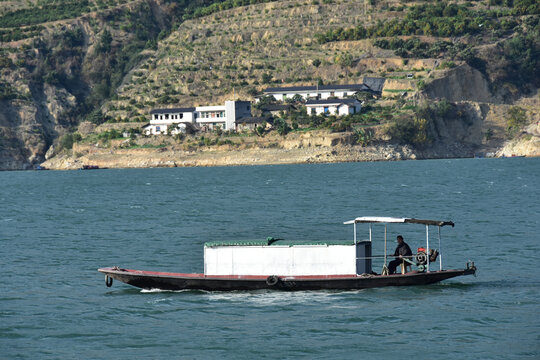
point(238, 52)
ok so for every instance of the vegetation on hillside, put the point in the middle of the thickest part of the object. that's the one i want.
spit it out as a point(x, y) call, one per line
point(442, 19)
point(52, 11)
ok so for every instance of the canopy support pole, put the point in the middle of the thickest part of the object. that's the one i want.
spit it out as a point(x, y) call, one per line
point(440, 251)
point(354, 232)
point(427, 246)
point(385, 244)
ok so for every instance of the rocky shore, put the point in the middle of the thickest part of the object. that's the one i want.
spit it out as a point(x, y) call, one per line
point(295, 148)
point(145, 158)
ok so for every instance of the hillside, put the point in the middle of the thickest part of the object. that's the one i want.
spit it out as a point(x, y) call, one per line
point(61, 59)
point(462, 77)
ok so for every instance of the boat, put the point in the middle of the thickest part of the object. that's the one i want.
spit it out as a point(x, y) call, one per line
point(279, 264)
point(91, 167)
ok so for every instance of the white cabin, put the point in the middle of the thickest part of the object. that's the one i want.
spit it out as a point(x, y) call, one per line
point(286, 258)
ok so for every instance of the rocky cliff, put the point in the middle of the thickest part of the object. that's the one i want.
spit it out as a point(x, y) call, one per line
point(51, 81)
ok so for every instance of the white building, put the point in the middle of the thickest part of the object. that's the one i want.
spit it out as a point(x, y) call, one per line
point(162, 119)
point(338, 107)
point(320, 92)
point(224, 116)
point(315, 92)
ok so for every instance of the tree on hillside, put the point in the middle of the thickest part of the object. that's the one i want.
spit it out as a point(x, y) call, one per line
point(104, 43)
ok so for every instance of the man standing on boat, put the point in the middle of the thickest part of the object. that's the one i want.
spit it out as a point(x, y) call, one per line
point(402, 251)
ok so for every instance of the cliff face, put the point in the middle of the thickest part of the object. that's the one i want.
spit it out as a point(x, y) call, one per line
point(481, 123)
point(462, 83)
point(29, 127)
point(50, 82)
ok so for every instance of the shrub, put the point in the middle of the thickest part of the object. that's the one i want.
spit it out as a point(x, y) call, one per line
point(410, 131)
point(345, 60)
point(517, 118)
point(362, 136)
point(266, 78)
point(281, 126)
point(96, 117)
point(67, 141)
point(110, 134)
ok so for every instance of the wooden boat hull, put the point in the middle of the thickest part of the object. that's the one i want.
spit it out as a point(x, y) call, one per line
point(178, 281)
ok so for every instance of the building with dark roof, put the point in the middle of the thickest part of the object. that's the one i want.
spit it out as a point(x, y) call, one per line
point(250, 123)
point(375, 84)
point(371, 84)
point(315, 91)
point(276, 109)
point(210, 117)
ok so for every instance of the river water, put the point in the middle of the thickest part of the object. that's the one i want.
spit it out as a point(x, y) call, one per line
point(57, 228)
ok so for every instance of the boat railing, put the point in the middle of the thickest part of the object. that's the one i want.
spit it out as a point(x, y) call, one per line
point(414, 259)
point(391, 220)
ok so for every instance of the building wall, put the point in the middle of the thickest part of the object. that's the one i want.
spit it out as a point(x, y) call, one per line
point(280, 260)
point(224, 116)
point(169, 118)
point(322, 94)
point(158, 129)
point(334, 110)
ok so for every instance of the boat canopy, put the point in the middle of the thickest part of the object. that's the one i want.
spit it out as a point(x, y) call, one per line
point(382, 219)
point(270, 241)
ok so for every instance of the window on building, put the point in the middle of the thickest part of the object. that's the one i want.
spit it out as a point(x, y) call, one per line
point(158, 128)
point(332, 93)
point(181, 116)
point(313, 112)
point(166, 116)
point(326, 110)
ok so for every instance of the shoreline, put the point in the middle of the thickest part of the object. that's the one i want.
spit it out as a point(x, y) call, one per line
point(225, 156)
point(159, 158)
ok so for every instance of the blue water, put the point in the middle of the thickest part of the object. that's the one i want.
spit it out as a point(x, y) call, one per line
point(57, 228)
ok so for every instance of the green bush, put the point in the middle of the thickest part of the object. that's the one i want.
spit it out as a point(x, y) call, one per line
point(266, 78)
point(96, 117)
point(110, 135)
point(410, 131)
point(362, 137)
point(517, 118)
point(282, 127)
point(67, 141)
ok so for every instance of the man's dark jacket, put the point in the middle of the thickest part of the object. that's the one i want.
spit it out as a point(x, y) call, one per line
point(403, 249)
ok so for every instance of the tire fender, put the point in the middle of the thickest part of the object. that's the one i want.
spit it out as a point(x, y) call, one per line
point(272, 280)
